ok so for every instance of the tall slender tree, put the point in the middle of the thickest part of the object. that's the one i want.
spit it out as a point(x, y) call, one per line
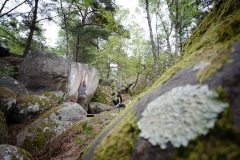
point(152, 40)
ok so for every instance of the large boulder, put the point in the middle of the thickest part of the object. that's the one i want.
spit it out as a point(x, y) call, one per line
point(9, 152)
point(3, 130)
point(43, 72)
point(50, 124)
point(7, 100)
point(193, 110)
point(96, 108)
point(30, 106)
point(17, 87)
point(91, 78)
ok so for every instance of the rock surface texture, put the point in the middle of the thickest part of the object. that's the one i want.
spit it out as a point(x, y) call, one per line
point(9, 152)
point(42, 72)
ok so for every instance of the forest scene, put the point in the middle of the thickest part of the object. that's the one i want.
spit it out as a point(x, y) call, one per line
point(124, 80)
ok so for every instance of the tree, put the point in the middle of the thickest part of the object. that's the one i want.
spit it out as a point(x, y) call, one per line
point(152, 41)
point(88, 21)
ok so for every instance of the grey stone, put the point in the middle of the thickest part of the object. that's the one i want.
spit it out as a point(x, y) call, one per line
point(9, 152)
point(17, 87)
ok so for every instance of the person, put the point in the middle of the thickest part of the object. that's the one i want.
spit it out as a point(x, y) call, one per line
point(4, 52)
point(118, 100)
point(82, 91)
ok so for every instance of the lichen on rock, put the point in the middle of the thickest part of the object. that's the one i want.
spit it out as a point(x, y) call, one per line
point(180, 115)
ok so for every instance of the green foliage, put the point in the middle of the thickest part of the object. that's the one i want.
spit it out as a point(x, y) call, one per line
point(79, 141)
point(7, 71)
point(87, 129)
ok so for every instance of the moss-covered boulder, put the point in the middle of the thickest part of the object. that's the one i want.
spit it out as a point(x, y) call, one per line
point(99, 97)
point(7, 100)
point(4, 129)
point(50, 124)
point(8, 152)
point(192, 111)
point(28, 107)
point(55, 96)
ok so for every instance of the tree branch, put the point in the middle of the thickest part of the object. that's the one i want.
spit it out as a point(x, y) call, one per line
point(11, 9)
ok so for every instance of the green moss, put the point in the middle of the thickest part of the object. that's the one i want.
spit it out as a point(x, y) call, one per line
point(33, 144)
point(6, 93)
point(53, 97)
point(26, 155)
point(221, 143)
point(120, 141)
point(23, 101)
point(99, 97)
point(212, 39)
point(222, 94)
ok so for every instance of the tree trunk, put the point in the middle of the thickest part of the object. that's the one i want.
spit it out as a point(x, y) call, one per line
point(32, 29)
point(176, 31)
point(66, 32)
point(77, 49)
point(152, 41)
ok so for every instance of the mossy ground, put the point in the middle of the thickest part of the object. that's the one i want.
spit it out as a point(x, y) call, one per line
point(120, 141)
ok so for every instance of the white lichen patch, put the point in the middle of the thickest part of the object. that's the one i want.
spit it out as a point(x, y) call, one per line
point(180, 115)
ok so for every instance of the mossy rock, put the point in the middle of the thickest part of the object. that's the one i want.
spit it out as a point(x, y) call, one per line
point(7, 100)
point(28, 107)
point(4, 129)
point(50, 124)
point(55, 96)
point(99, 97)
point(8, 152)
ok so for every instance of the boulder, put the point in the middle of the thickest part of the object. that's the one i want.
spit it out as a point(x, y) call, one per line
point(17, 87)
point(42, 72)
point(30, 106)
point(4, 129)
point(55, 96)
point(9, 152)
point(7, 100)
point(193, 109)
point(95, 108)
point(91, 78)
point(50, 124)
point(99, 96)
